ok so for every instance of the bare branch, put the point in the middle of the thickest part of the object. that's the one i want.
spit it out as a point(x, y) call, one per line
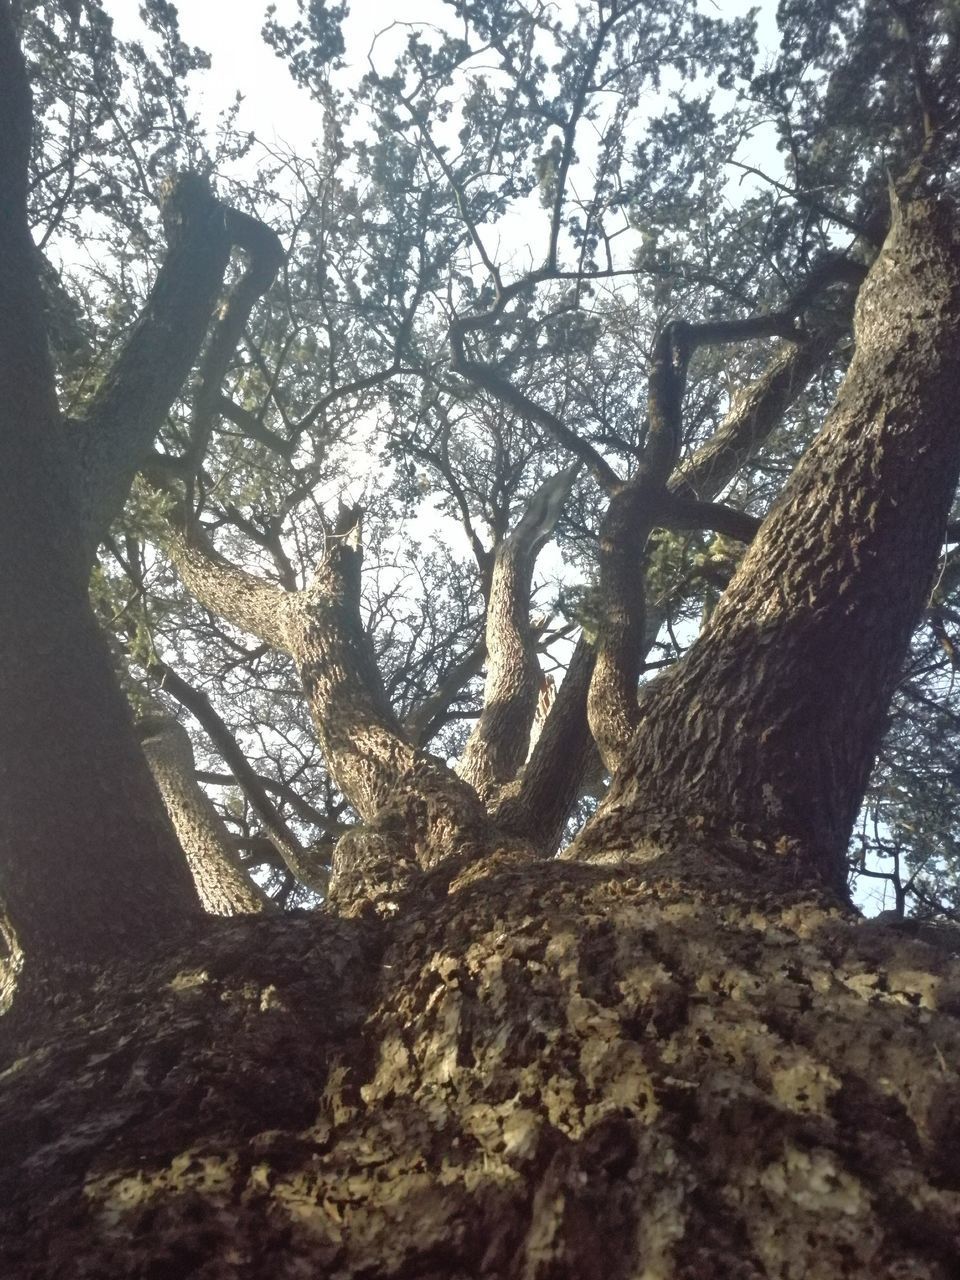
point(428, 718)
point(294, 855)
point(490, 379)
point(498, 744)
point(241, 598)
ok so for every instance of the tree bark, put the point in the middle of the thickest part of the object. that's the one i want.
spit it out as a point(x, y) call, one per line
point(415, 811)
point(88, 861)
point(537, 807)
point(224, 888)
point(306, 864)
point(498, 745)
point(533, 1072)
point(769, 728)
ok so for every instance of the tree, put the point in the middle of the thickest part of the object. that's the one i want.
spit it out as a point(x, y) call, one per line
point(675, 1049)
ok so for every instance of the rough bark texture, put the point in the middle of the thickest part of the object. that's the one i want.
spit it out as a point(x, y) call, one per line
point(308, 865)
point(415, 811)
point(498, 745)
point(770, 725)
point(224, 888)
point(534, 1072)
point(612, 699)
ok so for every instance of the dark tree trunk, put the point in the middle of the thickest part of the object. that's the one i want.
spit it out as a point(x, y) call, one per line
point(89, 863)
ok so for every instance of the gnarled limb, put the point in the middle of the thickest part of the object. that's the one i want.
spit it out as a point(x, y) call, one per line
point(363, 741)
point(553, 777)
point(370, 756)
point(651, 498)
point(498, 745)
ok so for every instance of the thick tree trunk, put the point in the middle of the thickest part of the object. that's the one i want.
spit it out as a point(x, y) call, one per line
point(768, 729)
point(532, 1073)
point(222, 884)
point(89, 863)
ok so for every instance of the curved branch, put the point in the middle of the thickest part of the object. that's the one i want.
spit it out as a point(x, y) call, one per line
point(241, 598)
point(115, 435)
point(499, 742)
point(490, 379)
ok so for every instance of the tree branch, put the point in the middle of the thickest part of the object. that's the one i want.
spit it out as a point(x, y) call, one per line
point(223, 885)
point(538, 807)
point(241, 598)
point(264, 254)
point(499, 742)
point(491, 380)
point(295, 856)
point(116, 433)
point(427, 719)
point(687, 513)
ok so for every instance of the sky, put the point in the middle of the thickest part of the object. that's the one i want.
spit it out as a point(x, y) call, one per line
point(229, 30)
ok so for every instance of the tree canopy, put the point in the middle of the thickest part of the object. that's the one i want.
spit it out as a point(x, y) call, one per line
point(551, 468)
point(495, 234)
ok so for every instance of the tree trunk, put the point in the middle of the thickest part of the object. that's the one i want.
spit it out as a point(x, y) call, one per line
point(415, 811)
point(533, 1072)
point(767, 731)
point(88, 861)
point(223, 886)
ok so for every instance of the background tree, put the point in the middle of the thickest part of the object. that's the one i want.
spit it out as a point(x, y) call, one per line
point(478, 1057)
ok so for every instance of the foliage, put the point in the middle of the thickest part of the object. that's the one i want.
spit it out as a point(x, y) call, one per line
point(554, 188)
